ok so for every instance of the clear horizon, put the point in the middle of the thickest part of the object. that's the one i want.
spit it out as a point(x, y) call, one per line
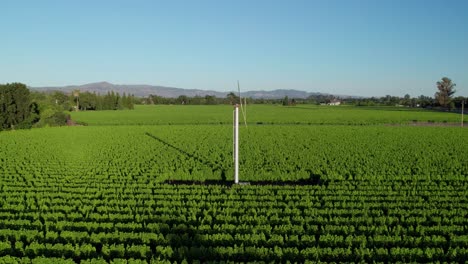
point(362, 48)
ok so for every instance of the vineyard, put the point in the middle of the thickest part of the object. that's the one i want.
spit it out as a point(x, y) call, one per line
point(264, 114)
point(151, 189)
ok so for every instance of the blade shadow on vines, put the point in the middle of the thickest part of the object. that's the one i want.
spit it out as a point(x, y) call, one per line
point(198, 158)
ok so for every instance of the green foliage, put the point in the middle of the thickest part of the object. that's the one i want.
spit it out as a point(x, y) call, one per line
point(204, 152)
point(446, 90)
point(48, 108)
point(96, 194)
point(263, 114)
point(109, 101)
point(57, 118)
point(15, 107)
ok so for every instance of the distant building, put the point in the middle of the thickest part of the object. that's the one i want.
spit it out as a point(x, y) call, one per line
point(334, 102)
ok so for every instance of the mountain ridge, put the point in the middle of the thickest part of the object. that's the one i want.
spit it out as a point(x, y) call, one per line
point(144, 90)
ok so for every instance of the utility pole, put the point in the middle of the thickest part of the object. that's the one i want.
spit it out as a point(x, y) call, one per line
point(76, 93)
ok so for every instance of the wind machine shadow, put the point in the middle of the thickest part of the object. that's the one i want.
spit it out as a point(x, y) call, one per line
point(203, 161)
point(313, 180)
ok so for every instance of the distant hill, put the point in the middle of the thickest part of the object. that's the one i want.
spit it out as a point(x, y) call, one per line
point(171, 92)
point(278, 94)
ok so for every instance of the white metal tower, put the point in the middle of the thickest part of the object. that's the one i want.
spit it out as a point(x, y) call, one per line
point(236, 143)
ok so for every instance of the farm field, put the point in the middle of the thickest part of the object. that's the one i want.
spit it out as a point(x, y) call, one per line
point(263, 114)
point(325, 192)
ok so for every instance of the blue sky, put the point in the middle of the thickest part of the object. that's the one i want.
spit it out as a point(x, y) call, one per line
point(368, 48)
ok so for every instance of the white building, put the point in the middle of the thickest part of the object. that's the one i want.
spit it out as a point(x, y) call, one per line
point(334, 102)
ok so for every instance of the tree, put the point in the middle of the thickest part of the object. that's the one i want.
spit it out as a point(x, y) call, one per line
point(131, 101)
point(108, 101)
point(76, 95)
point(210, 99)
point(425, 101)
point(406, 101)
point(155, 99)
point(61, 99)
point(197, 100)
point(459, 100)
point(443, 96)
point(182, 99)
point(232, 98)
point(15, 106)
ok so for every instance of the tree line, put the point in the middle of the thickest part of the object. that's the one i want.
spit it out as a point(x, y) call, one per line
point(388, 100)
point(443, 98)
point(83, 101)
point(109, 101)
point(22, 108)
point(420, 101)
point(231, 99)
